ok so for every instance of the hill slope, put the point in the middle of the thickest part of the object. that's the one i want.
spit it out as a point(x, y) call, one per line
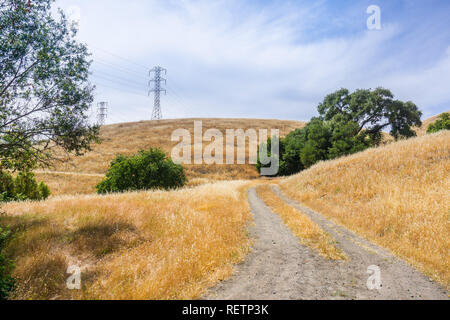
point(395, 195)
point(81, 174)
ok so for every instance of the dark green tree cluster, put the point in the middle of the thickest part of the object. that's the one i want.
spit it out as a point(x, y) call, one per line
point(443, 123)
point(24, 186)
point(150, 169)
point(7, 282)
point(347, 123)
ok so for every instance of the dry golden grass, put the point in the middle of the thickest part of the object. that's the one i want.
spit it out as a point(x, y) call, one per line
point(308, 232)
point(62, 183)
point(143, 245)
point(128, 138)
point(396, 195)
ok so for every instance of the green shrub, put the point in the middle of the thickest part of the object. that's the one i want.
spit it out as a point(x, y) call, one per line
point(443, 123)
point(44, 190)
point(6, 187)
point(23, 187)
point(146, 170)
point(26, 186)
point(6, 266)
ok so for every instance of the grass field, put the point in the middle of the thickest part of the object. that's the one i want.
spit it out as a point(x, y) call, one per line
point(69, 183)
point(396, 195)
point(146, 245)
point(128, 138)
point(174, 245)
point(81, 174)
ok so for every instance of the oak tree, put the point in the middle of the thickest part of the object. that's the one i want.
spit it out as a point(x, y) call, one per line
point(44, 88)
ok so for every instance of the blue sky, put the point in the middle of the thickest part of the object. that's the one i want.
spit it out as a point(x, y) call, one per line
point(262, 59)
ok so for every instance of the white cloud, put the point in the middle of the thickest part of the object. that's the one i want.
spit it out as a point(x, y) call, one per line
point(226, 58)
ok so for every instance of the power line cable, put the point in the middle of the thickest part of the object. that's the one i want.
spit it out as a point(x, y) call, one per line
point(121, 69)
point(178, 98)
point(134, 72)
point(118, 82)
point(118, 78)
point(122, 58)
point(120, 89)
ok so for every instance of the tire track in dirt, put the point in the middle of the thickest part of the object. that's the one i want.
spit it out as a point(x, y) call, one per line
point(280, 267)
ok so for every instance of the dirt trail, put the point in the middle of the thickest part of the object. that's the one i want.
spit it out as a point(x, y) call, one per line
point(279, 267)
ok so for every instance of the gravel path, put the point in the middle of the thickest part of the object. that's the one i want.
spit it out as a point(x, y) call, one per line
point(279, 267)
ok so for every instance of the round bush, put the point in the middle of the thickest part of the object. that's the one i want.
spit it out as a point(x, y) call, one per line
point(150, 169)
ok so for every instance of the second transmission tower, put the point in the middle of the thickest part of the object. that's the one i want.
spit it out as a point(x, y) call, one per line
point(102, 109)
point(156, 89)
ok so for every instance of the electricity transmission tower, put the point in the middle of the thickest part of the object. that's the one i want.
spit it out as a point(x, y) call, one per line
point(156, 113)
point(102, 109)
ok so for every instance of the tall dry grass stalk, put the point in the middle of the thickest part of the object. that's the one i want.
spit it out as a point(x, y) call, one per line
point(144, 245)
point(308, 232)
point(396, 195)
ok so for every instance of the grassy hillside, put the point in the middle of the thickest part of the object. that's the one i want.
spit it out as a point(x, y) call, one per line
point(128, 138)
point(81, 174)
point(395, 195)
point(173, 245)
point(145, 245)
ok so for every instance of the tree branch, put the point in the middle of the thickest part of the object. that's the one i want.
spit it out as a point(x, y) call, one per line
point(17, 77)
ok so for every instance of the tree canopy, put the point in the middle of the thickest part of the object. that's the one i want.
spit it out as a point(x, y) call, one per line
point(347, 123)
point(44, 89)
point(373, 111)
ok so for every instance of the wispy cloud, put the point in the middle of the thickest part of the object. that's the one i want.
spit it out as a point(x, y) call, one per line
point(259, 59)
